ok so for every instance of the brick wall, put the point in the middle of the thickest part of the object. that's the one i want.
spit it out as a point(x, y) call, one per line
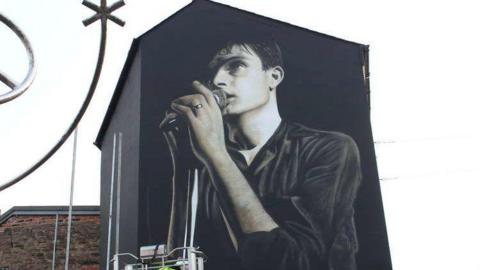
point(26, 242)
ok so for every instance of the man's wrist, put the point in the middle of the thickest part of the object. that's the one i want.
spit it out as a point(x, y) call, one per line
point(219, 159)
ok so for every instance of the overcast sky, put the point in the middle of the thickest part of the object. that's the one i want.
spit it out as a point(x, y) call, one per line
point(424, 62)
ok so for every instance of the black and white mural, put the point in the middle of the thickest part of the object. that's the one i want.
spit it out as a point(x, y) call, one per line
point(254, 143)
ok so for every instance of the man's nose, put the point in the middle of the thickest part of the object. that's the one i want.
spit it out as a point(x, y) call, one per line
point(220, 79)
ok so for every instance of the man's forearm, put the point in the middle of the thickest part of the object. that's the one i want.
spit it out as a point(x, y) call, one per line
point(247, 207)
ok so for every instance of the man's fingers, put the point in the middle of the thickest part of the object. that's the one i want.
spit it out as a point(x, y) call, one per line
point(186, 111)
point(204, 91)
point(191, 100)
point(183, 110)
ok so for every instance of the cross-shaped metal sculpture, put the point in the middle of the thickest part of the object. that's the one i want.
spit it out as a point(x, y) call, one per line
point(104, 12)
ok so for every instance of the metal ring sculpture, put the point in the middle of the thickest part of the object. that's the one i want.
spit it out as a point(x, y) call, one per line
point(18, 89)
point(103, 13)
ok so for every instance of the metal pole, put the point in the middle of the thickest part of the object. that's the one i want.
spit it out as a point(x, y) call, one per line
point(111, 200)
point(72, 184)
point(194, 206)
point(192, 259)
point(55, 242)
point(200, 263)
point(116, 262)
point(187, 206)
point(119, 177)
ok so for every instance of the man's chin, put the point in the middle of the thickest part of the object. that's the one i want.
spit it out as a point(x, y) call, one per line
point(228, 110)
point(229, 114)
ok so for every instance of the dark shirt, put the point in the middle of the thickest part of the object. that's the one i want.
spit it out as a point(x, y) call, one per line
point(307, 181)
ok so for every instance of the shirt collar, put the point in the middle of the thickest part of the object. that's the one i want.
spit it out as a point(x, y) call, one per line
point(266, 154)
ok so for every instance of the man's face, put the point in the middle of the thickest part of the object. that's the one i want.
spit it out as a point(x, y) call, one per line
point(239, 73)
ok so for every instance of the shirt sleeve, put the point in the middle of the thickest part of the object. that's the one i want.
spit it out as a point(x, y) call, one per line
point(316, 228)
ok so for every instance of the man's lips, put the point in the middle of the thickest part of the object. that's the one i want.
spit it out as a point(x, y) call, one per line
point(229, 96)
point(230, 99)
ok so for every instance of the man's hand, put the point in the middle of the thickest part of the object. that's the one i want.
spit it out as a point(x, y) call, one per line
point(204, 121)
point(208, 142)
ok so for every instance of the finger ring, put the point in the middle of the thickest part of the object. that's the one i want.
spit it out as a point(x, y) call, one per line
point(198, 106)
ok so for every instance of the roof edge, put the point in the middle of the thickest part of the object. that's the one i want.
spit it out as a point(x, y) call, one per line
point(246, 12)
point(169, 18)
point(49, 210)
point(116, 93)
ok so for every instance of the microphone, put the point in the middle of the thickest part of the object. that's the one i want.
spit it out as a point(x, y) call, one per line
point(171, 118)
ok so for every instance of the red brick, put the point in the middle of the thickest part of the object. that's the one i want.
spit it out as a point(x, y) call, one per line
point(26, 242)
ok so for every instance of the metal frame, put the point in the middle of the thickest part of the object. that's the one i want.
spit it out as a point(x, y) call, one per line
point(18, 89)
point(194, 261)
point(103, 14)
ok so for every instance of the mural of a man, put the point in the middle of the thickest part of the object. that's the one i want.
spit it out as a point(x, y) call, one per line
point(272, 194)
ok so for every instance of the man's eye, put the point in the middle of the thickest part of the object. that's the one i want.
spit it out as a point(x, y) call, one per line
point(236, 65)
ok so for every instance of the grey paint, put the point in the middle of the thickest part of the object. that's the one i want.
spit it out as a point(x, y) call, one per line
point(125, 119)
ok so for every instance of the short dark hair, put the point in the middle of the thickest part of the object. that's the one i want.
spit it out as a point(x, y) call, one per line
point(268, 51)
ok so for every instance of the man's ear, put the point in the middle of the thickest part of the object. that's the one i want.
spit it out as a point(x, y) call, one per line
point(276, 75)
